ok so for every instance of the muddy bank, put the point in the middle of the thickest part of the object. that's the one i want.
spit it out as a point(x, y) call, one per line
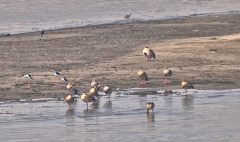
point(202, 50)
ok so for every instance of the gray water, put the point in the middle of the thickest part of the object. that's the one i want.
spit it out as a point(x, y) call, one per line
point(19, 16)
point(204, 115)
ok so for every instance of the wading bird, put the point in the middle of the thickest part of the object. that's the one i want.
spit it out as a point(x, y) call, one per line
point(127, 16)
point(56, 74)
point(186, 85)
point(29, 79)
point(150, 105)
point(41, 34)
point(69, 100)
point(149, 54)
point(167, 73)
point(87, 98)
point(143, 76)
point(107, 90)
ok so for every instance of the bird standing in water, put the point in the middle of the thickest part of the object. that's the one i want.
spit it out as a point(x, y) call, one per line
point(29, 79)
point(127, 16)
point(167, 73)
point(87, 98)
point(143, 76)
point(41, 34)
point(107, 90)
point(150, 105)
point(186, 85)
point(69, 100)
point(149, 54)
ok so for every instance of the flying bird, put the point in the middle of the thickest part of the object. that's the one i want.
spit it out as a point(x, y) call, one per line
point(143, 76)
point(107, 90)
point(167, 73)
point(186, 85)
point(149, 54)
point(150, 105)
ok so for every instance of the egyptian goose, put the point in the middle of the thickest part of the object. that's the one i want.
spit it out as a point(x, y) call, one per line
point(94, 84)
point(29, 79)
point(167, 73)
point(143, 76)
point(149, 54)
point(87, 98)
point(107, 90)
point(69, 86)
point(150, 105)
point(93, 91)
point(186, 85)
point(127, 16)
point(69, 99)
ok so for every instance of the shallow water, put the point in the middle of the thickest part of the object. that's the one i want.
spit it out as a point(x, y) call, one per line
point(20, 16)
point(204, 115)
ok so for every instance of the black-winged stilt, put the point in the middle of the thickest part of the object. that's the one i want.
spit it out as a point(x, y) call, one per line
point(29, 78)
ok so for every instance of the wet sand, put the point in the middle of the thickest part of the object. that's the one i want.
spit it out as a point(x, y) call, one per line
point(203, 50)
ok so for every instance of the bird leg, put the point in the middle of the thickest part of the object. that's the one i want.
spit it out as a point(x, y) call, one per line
point(186, 91)
point(169, 80)
point(29, 86)
point(165, 81)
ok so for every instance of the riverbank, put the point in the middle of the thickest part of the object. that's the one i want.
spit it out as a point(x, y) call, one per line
point(203, 50)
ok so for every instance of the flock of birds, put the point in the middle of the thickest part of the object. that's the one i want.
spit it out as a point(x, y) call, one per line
point(92, 96)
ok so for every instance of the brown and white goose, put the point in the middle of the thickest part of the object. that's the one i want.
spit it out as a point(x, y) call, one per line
point(168, 74)
point(94, 91)
point(186, 85)
point(149, 54)
point(150, 105)
point(94, 84)
point(107, 90)
point(69, 100)
point(143, 76)
point(87, 98)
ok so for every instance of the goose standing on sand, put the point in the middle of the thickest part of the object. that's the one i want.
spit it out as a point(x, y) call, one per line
point(69, 86)
point(41, 34)
point(150, 105)
point(127, 16)
point(186, 85)
point(29, 79)
point(87, 98)
point(149, 54)
point(167, 73)
point(107, 90)
point(143, 76)
point(69, 100)
point(94, 84)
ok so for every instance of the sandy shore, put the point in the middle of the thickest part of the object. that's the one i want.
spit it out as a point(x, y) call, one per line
point(203, 50)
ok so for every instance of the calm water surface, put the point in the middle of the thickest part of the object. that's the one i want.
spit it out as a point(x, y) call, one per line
point(18, 16)
point(204, 115)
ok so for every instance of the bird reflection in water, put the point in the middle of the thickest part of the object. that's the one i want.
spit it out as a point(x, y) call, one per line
point(70, 112)
point(188, 102)
point(150, 117)
point(108, 104)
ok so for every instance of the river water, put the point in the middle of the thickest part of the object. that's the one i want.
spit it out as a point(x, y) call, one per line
point(204, 115)
point(20, 16)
